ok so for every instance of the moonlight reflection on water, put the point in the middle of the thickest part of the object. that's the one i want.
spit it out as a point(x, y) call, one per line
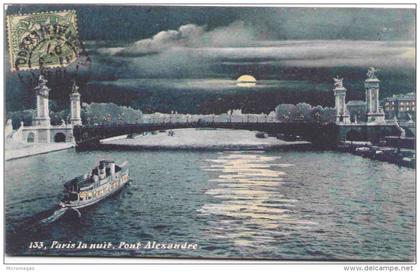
point(251, 211)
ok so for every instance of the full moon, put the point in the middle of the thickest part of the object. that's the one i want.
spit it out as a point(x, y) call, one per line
point(246, 81)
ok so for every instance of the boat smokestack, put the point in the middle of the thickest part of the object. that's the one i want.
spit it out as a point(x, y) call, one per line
point(95, 179)
point(101, 171)
point(112, 168)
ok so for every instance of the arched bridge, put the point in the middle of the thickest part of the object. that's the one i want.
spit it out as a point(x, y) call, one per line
point(321, 134)
point(367, 132)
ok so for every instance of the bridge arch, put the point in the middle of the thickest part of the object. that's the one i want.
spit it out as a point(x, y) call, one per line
point(31, 137)
point(59, 137)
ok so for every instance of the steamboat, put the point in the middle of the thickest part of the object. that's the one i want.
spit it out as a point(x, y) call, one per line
point(104, 180)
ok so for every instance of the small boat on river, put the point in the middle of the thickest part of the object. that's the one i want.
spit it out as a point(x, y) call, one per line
point(104, 180)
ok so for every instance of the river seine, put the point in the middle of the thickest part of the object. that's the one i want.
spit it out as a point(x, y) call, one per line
point(289, 205)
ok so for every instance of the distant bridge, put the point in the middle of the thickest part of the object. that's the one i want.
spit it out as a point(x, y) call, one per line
point(367, 132)
point(320, 134)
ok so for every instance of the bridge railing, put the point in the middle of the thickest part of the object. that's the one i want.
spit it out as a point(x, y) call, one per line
point(201, 121)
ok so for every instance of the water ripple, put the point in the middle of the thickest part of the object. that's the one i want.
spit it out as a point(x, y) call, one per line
point(251, 207)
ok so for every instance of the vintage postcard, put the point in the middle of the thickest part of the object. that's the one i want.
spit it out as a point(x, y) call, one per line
point(210, 132)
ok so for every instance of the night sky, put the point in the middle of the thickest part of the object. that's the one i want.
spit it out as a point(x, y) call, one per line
point(188, 58)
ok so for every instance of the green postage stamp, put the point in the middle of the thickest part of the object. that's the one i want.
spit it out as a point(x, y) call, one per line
point(42, 40)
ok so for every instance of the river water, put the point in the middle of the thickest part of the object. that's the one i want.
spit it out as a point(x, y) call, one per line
point(290, 205)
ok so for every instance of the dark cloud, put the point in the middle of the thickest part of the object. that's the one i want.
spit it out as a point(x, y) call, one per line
point(333, 23)
point(188, 36)
point(142, 54)
point(192, 51)
point(135, 22)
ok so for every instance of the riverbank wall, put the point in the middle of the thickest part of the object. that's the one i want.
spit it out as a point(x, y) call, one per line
point(17, 152)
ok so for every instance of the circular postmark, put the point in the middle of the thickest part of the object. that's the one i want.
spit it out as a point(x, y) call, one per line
point(48, 47)
point(42, 40)
point(47, 44)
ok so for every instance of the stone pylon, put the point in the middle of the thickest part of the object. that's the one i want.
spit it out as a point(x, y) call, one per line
point(75, 118)
point(42, 119)
point(42, 99)
point(374, 111)
point(342, 115)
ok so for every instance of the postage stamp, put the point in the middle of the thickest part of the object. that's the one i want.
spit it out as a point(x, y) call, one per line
point(42, 40)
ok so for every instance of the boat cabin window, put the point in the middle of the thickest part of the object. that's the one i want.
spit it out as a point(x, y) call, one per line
point(73, 196)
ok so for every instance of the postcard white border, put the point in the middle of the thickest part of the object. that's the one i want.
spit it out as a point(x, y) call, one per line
point(72, 264)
